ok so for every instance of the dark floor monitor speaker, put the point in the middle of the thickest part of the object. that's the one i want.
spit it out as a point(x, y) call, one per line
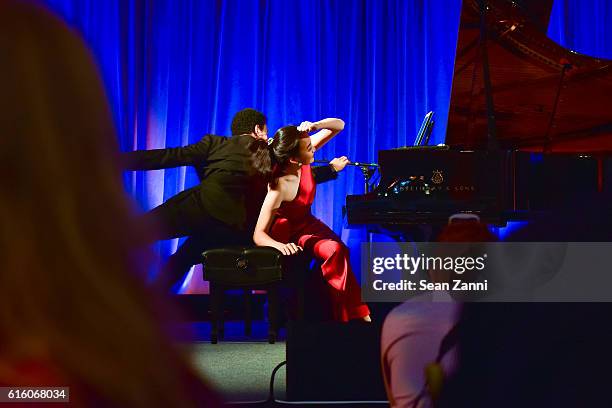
point(334, 362)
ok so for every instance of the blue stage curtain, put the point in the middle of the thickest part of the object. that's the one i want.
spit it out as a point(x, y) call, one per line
point(177, 70)
point(583, 26)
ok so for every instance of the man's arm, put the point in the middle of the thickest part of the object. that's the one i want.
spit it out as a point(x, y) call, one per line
point(323, 174)
point(170, 157)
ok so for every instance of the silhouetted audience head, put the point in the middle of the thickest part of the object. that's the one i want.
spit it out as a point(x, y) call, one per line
point(73, 309)
point(466, 231)
point(538, 354)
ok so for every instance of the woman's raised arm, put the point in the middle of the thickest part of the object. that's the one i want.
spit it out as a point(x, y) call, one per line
point(327, 129)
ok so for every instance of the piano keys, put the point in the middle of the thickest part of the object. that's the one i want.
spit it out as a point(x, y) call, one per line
point(427, 187)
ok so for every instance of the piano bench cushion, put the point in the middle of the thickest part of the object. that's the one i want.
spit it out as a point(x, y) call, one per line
point(243, 266)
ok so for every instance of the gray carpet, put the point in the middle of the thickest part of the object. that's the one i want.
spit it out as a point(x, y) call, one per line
point(241, 371)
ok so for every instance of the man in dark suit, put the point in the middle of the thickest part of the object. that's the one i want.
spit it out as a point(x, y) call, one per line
point(223, 209)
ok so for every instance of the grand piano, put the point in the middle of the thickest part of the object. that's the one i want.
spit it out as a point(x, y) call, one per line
point(529, 128)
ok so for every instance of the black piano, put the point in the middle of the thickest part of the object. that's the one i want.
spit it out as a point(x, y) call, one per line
point(529, 129)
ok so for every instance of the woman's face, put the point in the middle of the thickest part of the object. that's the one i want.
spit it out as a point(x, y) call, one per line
point(306, 151)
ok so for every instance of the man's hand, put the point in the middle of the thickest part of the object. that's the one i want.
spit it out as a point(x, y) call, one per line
point(289, 249)
point(339, 163)
point(307, 127)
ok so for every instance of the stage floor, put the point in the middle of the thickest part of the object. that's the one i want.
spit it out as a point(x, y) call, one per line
point(239, 367)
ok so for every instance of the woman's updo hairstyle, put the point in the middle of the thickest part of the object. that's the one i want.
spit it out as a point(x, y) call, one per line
point(286, 144)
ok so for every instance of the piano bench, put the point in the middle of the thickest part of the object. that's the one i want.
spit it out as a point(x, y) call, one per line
point(246, 268)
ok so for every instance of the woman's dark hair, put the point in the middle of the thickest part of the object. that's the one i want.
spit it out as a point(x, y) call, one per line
point(244, 121)
point(286, 144)
point(261, 158)
point(269, 159)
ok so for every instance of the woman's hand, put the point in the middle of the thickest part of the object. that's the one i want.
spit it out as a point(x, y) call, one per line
point(307, 127)
point(289, 249)
point(339, 163)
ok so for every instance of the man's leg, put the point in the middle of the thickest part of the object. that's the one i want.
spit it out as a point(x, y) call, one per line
point(178, 216)
point(179, 263)
point(190, 253)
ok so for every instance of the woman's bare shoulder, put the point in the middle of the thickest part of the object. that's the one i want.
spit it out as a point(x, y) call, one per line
point(286, 185)
point(287, 180)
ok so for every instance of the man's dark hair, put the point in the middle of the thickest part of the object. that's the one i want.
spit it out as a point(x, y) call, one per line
point(245, 121)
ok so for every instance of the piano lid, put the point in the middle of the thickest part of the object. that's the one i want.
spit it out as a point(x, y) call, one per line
point(544, 96)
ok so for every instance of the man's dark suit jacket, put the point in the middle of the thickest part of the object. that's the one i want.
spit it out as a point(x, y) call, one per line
point(229, 190)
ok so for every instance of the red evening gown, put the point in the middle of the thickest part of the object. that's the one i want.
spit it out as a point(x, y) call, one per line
point(294, 222)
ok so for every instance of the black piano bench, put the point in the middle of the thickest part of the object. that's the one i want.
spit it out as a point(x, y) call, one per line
point(247, 268)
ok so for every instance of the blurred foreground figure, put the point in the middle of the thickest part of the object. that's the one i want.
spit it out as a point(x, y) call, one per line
point(414, 332)
point(73, 310)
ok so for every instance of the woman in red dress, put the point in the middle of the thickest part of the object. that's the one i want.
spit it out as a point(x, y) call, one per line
point(287, 224)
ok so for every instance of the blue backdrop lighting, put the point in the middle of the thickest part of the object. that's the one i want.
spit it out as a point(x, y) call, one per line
point(177, 70)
